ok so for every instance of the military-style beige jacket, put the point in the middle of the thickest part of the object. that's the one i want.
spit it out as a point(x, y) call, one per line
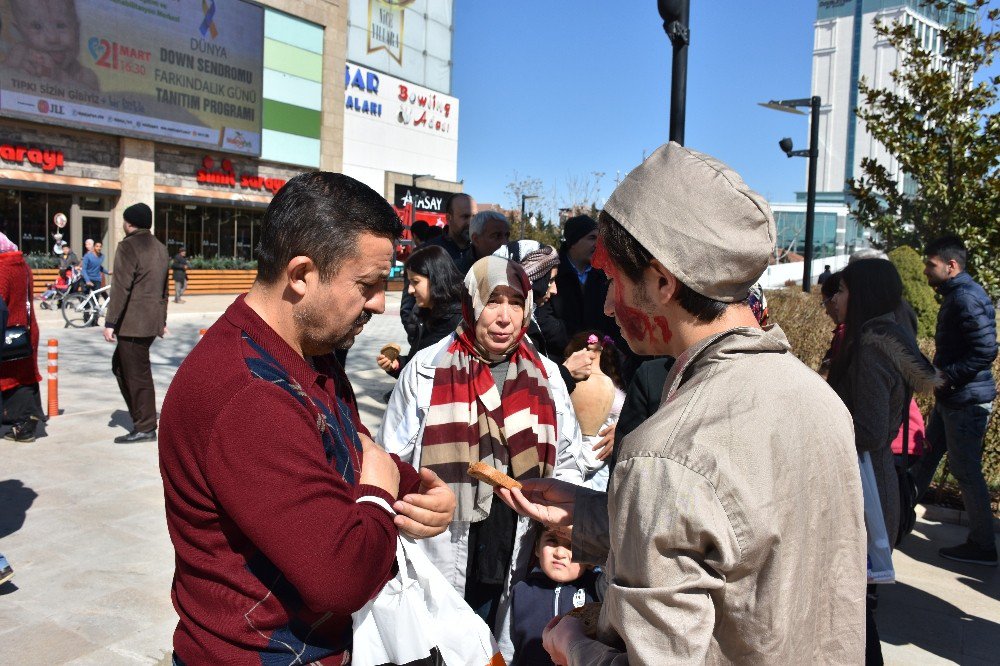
point(734, 528)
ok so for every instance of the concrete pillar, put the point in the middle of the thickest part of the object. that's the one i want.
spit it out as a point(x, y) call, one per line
point(137, 174)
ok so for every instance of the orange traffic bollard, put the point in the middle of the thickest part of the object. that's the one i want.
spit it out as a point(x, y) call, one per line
point(53, 377)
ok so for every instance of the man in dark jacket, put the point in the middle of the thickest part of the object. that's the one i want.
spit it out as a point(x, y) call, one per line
point(456, 242)
point(581, 288)
point(137, 314)
point(179, 264)
point(966, 344)
point(458, 213)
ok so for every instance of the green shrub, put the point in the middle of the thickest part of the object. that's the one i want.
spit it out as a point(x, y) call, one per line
point(221, 263)
point(41, 260)
point(802, 317)
point(916, 291)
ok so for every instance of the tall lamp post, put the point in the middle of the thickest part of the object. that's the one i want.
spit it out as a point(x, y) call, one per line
point(675, 15)
point(791, 106)
point(523, 198)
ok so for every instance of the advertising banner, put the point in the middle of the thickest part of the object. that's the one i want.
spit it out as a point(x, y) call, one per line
point(410, 39)
point(179, 71)
point(395, 125)
point(386, 100)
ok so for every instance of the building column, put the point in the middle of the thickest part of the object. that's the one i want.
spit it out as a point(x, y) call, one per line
point(137, 173)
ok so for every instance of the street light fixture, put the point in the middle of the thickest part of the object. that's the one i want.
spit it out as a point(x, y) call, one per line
point(675, 14)
point(523, 198)
point(786, 145)
point(418, 176)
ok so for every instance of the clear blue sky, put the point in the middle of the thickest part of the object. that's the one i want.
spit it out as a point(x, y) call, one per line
point(554, 89)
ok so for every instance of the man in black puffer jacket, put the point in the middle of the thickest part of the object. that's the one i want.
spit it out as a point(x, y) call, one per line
point(966, 344)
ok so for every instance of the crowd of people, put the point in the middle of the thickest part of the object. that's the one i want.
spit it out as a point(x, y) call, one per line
point(624, 382)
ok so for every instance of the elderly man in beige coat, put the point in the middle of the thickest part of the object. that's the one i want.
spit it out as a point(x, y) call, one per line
point(733, 529)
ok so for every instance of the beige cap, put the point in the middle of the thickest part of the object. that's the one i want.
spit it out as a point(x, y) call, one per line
point(699, 219)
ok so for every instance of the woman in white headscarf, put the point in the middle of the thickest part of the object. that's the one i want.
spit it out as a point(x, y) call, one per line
point(485, 394)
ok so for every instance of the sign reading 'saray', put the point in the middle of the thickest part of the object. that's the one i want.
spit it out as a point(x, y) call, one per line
point(178, 71)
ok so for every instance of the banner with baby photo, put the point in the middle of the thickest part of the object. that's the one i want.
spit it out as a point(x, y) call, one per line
point(177, 71)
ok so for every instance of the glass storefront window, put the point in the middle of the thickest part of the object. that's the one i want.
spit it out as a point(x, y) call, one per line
point(10, 215)
point(35, 227)
point(227, 232)
point(170, 228)
point(209, 218)
point(244, 234)
point(208, 231)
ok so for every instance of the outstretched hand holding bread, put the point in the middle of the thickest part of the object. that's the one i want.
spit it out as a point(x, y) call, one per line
point(492, 476)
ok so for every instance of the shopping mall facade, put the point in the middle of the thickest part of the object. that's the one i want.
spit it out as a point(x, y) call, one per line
point(205, 119)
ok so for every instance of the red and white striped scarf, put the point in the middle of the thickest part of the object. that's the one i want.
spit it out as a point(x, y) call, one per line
point(512, 429)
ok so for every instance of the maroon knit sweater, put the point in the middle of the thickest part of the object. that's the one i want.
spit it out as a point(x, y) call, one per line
point(260, 462)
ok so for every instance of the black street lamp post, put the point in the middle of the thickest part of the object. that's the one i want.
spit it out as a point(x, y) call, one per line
point(790, 106)
point(676, 15)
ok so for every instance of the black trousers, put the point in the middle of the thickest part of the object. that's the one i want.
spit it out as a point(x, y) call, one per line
point(130, 364)
point(22, 403)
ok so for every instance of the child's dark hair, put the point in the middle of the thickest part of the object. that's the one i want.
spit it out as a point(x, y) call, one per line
point(611, 358)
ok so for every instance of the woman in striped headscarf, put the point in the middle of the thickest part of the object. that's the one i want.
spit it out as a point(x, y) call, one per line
point(484, 394)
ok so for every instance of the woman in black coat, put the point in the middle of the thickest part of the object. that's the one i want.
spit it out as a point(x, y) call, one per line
point(436, 284)
point(876, 370)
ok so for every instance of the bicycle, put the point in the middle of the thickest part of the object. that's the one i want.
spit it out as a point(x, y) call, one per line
point(81, 310)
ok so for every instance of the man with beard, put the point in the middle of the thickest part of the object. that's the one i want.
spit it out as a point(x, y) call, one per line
point(965, 346)
point(283, 513)
point(458, 213)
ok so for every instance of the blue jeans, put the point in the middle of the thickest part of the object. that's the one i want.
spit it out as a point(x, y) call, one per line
point(959, 432)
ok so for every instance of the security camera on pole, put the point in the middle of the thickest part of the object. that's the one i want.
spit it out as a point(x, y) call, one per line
point(786, 145)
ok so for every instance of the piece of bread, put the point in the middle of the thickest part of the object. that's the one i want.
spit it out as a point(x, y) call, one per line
point(391, 351)
point(588, 615)
point(492, 476)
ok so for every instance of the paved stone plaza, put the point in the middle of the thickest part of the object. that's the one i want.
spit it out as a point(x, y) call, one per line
point(81, 521)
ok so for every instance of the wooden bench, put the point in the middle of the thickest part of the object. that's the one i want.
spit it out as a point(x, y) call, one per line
point(42, 277)
point(204, 281)
point(200, 281)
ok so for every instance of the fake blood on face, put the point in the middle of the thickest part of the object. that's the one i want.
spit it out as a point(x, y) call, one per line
point(635, 323)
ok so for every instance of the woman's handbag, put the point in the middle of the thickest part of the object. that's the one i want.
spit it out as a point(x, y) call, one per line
point(16, 344)
point(418, 619)
point(879, 550)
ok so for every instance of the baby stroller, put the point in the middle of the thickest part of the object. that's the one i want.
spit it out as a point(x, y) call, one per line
point(52, 297)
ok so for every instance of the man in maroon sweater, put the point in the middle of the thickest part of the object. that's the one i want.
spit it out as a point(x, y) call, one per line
point(282, 511)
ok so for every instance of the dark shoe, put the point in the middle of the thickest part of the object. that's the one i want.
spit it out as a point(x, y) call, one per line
point(135, 436)
point(22, 432)
point(970, 553)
